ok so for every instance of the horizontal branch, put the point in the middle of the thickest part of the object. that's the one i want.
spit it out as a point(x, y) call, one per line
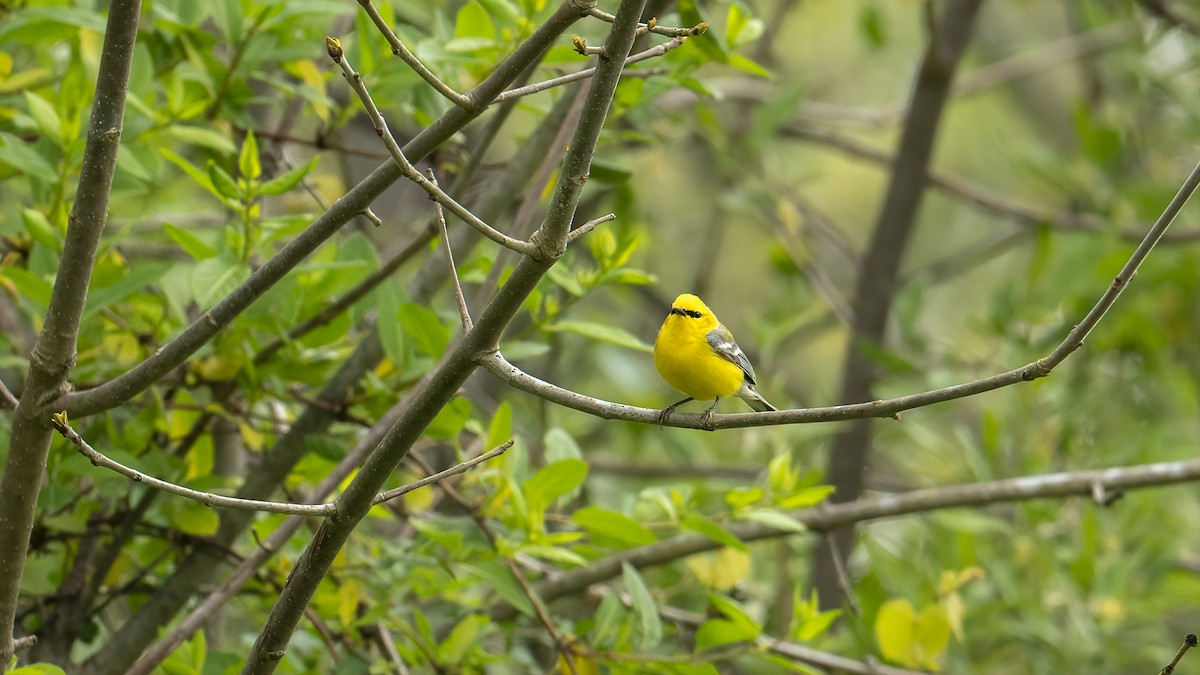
point(221, 501)
point(584, 74)
point(828, 516)
point(652, 26)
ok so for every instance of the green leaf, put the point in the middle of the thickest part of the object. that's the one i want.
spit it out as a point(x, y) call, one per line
point(560, 444)
point(450, 420)
point(810, 496)
point(601, 332)
point(466, 634)
point(38, 669)
point(554, 480)
point(202, 137)
point(288, 181)
point(473, 21)
point(29, 286)
point(500, 428)
point(199, 177)
point(612, 529)
point(388, 299)
point(248, 164)
point(215, 278)
point(706, 42)
point(649, 627)
point(24, 159)
point(501, 580)
point(697, 523)
point(192, 517)
point(734, 612)
point(223, 183)
point(424, 328)
point(140, 276)
point(717, 632)
point(561, 276)
point(748, 65)
point(190, 243)
point(608, 620)
point(41, 230)
point(46, 117)
point(772, 518)
point(740, 497)
point(741, 26)
point(554, 554)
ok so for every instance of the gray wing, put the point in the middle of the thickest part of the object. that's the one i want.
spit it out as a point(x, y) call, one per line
point(722, 342)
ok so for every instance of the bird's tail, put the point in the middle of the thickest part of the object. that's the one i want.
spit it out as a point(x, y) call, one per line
point(755, 400)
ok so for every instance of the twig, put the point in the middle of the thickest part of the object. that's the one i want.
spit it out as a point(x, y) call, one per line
point(1189, 641)
point(60, 423)
point(407, 169)
point(588, 227)
point(7, 400)
point(588, 72)
point(843, 576)
point(652, 26)
point(398, 48)
point(463, 313)
point(23, 643)
point(829, 516)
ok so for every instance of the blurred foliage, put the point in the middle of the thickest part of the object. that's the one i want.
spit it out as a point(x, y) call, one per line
point(239, 132)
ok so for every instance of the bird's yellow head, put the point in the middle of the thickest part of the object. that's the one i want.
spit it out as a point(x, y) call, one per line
point(692, 310)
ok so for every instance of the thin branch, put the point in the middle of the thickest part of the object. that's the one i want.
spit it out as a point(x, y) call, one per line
point(652, 26)
point(7, 400)
point(407, 169)
point(1189, 641)
point(829, 516)
point(398, 48)
point(584, 74)
point(221, 501)
point(977, 195)
point(23, 643)
point(463, 313)
point(588, 227)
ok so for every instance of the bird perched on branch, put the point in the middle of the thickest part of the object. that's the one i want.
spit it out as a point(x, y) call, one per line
point(698, 356)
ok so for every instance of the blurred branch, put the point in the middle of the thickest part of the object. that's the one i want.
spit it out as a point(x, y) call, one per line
point(1160, 9)
point(54, 354)
point(829, 516)
point(979, 196)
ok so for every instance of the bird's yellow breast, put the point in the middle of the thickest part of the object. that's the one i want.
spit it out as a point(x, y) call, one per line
point(685, 360)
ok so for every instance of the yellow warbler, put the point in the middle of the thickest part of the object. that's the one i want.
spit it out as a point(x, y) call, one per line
point(698, 356)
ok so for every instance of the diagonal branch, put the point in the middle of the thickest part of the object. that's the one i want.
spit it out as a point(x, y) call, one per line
point(456, 365)
point(136, 380)
point(406, 168)
point(398, 48)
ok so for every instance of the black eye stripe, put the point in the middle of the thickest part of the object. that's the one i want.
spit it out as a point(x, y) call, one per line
point(686, 312)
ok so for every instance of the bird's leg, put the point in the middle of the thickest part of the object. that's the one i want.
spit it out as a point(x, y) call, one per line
point(662, 416)
point(706, 416)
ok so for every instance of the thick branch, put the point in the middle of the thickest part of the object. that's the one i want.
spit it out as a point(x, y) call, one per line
point(456, 366)
point(878, 274)
point(140, 377)
point(53, 355)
